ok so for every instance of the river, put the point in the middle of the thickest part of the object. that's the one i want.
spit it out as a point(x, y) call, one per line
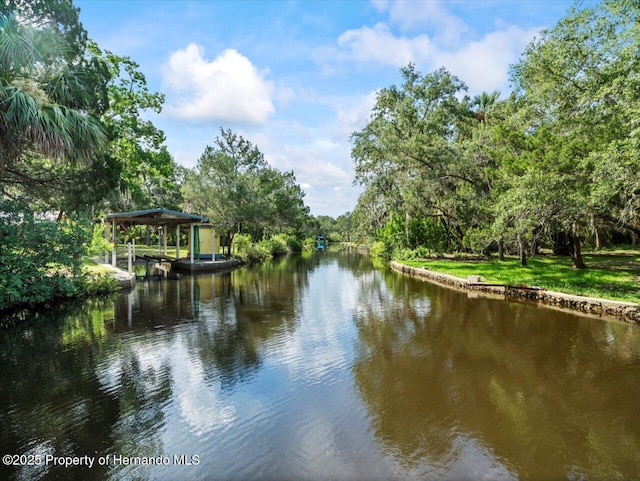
point(317, 367)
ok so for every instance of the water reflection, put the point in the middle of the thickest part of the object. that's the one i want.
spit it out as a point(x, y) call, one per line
point(98, 378)
point(533, 396)
point(322, 366)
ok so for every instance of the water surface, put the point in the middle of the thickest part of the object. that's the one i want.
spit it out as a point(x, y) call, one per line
point(319, 367)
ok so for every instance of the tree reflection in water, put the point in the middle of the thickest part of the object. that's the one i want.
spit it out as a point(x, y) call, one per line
point(460, 385)
point(321, 366)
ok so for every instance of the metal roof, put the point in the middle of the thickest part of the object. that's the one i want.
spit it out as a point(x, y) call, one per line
point(155, 217)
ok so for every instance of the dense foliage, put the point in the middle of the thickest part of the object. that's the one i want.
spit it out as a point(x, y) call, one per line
point(41, 259)
point(240, 193)
point(555, 164)
point(72, 143)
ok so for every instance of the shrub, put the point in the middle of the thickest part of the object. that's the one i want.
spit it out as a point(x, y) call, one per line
point(277, 244)
point(294, 244)
point(98, 243)
point(381, 249)
point(240, 244)
point(99, 285)
point(258, 252)
point(41, 259)
point(308, 244)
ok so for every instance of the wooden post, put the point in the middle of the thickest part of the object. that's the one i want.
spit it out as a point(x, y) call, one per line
point(165, 231)
point(115, 242)
point(191, 242)
point(159, 240)
point(178, 241)
point(213, 244)
point(107, 234)
point(133, 240)
point(129, 263)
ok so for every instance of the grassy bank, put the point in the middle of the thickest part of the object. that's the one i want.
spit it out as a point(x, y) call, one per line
point(611, 275)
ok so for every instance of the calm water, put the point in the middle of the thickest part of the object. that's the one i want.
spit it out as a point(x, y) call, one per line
point(319, 368)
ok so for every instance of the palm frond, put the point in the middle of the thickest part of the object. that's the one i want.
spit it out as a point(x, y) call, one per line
point(51, 130)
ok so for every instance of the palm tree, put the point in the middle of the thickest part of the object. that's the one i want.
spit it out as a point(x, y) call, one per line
point(37, 88)
point(483, 103)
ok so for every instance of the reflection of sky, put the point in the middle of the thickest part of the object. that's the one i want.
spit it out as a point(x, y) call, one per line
point(322, 342)
point(296, 414)
point(198, 401)
point(353, 374)
point(294, 410)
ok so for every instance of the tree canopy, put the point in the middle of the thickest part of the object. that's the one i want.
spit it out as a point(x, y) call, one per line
point(235, 187)
point(554, 164)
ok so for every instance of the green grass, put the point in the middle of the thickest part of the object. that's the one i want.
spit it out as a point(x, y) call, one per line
point(94, 269)
point(610, 275)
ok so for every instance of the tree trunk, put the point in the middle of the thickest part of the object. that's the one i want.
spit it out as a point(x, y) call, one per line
point(229, 241)
point(595, 232)
point(576, 255)
point(523, 251)
point(460, 238)
point(501, 249)
point(447, 232)
point(407, 220)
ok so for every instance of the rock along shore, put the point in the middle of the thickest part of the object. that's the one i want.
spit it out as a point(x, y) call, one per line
point(624, 311)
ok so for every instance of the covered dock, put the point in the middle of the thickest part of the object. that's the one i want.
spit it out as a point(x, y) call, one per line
point(163, 220)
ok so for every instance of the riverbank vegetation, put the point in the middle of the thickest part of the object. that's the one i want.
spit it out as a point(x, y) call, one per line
point(554, 165)
point(76, 143)
point(610, 275)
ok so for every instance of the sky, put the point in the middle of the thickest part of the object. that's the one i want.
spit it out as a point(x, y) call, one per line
point(297, 78)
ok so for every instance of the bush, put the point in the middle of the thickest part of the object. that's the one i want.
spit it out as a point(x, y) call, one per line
point(381, 250)
point(98, 243)
point(308, 244)
point(41, 259)
point(277, 244)
point(240, 244)
point(294, 244)
point(420, 252)
point(258, 252)
point(99, 285)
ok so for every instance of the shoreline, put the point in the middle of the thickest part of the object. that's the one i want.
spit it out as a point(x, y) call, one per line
point(125, 280)
point(624, 311)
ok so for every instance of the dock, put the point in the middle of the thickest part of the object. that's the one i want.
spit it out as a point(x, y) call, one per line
point(198, 265)
point(205, 265)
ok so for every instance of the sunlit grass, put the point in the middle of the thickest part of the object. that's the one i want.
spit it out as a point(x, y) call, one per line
point(609, 275)
point(94, 269)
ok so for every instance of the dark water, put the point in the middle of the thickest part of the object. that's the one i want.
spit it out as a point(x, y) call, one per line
point(318, 368)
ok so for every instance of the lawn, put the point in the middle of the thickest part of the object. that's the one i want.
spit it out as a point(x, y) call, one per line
point(609, 275)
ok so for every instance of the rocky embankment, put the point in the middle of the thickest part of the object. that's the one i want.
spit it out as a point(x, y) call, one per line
point(624, 311)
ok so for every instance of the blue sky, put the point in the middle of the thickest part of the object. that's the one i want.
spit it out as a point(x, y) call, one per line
point(298, 77)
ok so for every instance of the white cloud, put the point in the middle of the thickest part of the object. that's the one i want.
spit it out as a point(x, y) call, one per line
point(228, 88)
point(322, 164)
point(482, 64)
point(353, 116)
point(380, 45)
point(410, 15)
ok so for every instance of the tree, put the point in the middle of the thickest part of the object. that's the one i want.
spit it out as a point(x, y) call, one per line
point(411, 151)
point(282, 204)
point(483, 103)
point(147, 171)
point(225, 183)
point(35, 119)
point(579, 97)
